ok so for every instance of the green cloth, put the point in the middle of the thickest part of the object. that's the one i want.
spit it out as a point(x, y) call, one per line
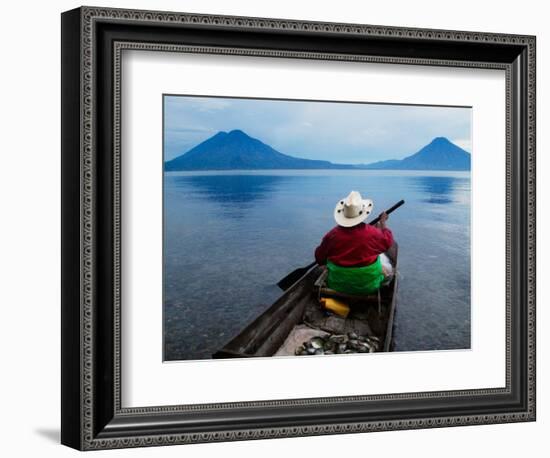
point(355, 280)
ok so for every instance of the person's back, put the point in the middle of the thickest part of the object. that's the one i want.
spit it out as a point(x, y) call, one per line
point(352, 249)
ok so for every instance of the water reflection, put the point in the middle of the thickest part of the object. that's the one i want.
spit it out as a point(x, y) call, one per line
point(229, 189)
point(438, 190)
point(232, 195)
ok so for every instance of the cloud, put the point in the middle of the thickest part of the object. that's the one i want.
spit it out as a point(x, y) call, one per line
point(186, 130)
point(212, 105)
point(464, 143)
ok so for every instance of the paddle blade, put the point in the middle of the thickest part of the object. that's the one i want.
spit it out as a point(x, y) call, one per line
point(294, 276)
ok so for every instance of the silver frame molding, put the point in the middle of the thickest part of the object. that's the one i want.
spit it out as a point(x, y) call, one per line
point(93, 40)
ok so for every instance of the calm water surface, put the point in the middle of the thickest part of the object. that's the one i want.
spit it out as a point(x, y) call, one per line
point(231, 236)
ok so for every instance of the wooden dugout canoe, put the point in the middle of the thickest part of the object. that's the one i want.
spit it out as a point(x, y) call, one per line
point(299, 305)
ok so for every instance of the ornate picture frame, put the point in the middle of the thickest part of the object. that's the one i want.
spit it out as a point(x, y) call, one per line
point(93, 416)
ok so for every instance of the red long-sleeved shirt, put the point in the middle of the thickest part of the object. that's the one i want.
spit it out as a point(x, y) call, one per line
point(353, 246)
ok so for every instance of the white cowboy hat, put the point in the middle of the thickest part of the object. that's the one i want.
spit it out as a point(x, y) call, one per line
point(352, 210)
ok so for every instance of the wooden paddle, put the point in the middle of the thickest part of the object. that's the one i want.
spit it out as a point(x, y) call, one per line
point(295, 275)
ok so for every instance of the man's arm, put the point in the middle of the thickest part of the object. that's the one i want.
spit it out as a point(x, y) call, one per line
point(386, 236)
point(321, 252)
point(383, 219)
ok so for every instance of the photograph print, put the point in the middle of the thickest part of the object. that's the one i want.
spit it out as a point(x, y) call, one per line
point(308, 228)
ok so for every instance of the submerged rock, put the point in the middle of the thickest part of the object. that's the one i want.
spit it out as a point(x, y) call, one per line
point(339, 344)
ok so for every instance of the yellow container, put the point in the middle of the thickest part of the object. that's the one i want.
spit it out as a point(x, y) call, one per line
point(336, 306)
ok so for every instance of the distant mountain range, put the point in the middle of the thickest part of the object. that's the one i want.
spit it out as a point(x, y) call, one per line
point(439, 154)
point(236, 150)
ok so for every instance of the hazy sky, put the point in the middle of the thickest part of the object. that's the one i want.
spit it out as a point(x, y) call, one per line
point(348, 133)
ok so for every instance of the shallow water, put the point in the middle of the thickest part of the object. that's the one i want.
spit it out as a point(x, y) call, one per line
point(231, 236)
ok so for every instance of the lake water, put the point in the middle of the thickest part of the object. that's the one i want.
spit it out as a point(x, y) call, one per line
point(231, 236)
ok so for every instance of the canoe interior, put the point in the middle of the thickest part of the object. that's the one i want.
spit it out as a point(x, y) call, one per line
point(372, 315)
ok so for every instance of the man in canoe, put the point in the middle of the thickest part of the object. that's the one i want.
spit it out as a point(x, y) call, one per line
point(354, 251)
